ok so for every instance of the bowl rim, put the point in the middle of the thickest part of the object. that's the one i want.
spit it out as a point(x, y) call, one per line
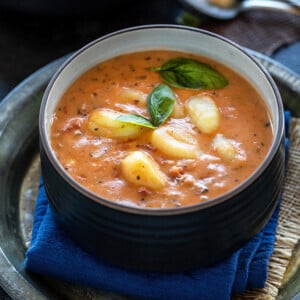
point(161, 211)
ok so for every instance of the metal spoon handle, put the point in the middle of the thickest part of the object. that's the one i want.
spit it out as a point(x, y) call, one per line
point(270, 5)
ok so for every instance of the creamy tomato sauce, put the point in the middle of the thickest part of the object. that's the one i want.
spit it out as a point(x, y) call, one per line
point(94, 161)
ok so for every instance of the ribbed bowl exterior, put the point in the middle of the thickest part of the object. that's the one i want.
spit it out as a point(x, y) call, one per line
point(167, 243)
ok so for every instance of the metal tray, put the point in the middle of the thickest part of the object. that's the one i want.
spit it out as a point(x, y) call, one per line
point(19, 178)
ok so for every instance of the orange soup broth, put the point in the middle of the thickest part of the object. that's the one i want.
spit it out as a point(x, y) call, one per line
point(94, 161)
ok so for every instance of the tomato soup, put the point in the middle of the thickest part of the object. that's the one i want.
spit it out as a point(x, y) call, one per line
point(198, 144)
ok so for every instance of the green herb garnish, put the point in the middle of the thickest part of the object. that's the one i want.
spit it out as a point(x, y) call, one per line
point(189, 73)
point(136, 120)
point(160, 103)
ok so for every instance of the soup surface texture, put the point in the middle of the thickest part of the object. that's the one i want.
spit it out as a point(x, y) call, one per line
point(211, 142)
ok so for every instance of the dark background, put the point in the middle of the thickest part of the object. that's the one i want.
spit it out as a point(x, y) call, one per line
point(29, 40)
point(33, 33)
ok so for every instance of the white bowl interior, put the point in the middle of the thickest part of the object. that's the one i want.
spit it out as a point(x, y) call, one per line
point(161, 37)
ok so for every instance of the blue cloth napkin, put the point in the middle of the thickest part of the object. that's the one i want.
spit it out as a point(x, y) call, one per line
point(53, 253)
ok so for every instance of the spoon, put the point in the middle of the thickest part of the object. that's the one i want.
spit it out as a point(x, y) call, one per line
point(203, 6)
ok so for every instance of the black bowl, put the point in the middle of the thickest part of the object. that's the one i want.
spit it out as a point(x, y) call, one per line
point(164, 239)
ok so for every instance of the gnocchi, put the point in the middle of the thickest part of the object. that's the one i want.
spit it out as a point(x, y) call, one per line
point(178, 110)
point(140, 169)
point(104, 123)
point(203, 113)
point(130, 95)
point(176, 142)
point(225, 148)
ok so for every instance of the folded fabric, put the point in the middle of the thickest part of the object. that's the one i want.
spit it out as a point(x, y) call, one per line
point(53, 253)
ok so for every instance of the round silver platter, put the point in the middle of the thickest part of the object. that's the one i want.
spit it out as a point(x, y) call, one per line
point(19, 181)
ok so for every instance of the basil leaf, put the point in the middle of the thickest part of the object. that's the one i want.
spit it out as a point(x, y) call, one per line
point(136, 120)
point(160, 103)
point(189, 73)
